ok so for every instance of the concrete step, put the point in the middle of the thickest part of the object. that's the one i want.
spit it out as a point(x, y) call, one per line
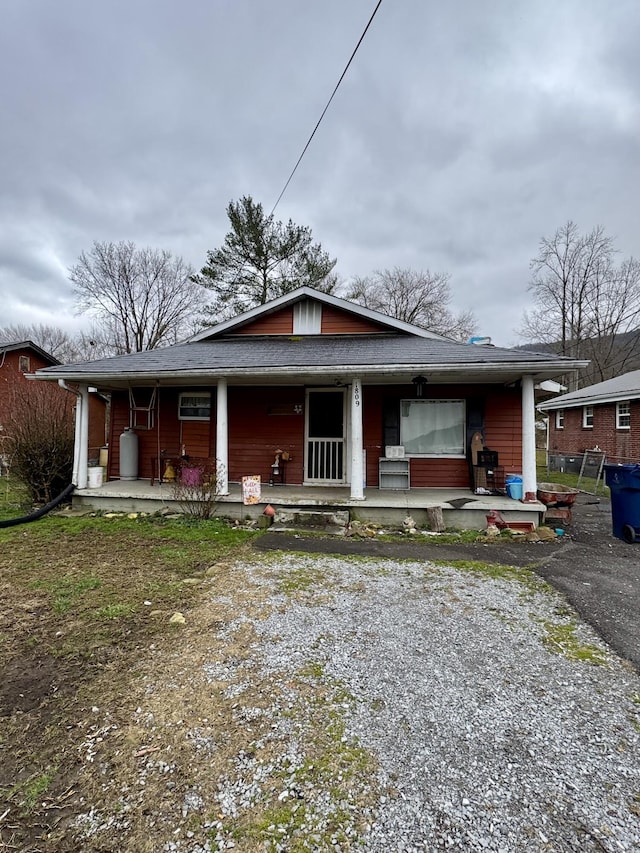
point(311, 519)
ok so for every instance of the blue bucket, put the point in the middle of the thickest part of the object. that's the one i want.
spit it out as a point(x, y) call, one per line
point(514, 487)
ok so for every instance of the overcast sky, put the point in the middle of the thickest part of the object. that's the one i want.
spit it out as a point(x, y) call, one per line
point(463, 132)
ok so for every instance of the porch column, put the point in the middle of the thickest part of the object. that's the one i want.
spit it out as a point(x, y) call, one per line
point(222, 438)
point(82, 436)
point(529, 484)
point(357, 473)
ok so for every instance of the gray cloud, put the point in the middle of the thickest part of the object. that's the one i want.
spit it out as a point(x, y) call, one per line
point(462, 134)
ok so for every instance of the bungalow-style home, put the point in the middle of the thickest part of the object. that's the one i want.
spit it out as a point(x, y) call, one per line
point(605, 415)
point(18, 361)
point(311, 391)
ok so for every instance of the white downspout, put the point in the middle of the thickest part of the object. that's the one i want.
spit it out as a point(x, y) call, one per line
point(222, 437)
point(81, 434)
point(357, 474)
point(529, 477)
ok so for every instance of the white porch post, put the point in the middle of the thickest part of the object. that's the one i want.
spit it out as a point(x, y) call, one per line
point(222, 437)
point(357, 474)
point(529, 484)
point(82, 437)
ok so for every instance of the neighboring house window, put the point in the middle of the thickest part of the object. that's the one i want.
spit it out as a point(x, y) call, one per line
point(194, 407)
point(587, 417)
point(24, 364)
point(623, 415)
point(432, 427)
point(560, 419)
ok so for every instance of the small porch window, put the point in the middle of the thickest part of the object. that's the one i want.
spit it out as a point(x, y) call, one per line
point(623, 415)
point(587, 417)
point(432, 427)
point(194, 407)
point(560, 419)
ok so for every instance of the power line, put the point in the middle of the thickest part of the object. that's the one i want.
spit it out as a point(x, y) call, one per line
point(337, 86)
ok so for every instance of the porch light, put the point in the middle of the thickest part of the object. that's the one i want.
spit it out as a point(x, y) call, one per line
point(419, 382)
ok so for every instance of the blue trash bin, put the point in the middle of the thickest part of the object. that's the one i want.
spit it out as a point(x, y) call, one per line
point(624, 483)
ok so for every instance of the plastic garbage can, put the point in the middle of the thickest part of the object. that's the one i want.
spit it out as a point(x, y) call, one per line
point(624, 483)
point(513, 485)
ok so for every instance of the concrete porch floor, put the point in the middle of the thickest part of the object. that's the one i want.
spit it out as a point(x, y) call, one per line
point(382, 506)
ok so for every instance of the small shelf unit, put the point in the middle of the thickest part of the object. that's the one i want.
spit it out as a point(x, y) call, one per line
point(393, 473)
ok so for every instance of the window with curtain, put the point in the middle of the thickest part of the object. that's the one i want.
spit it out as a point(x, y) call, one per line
point(433, 427)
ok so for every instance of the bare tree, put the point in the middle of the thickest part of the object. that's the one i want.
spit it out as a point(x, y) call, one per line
point(51, 339)
point(418, 297)
point(585, 305)
point(140, 298)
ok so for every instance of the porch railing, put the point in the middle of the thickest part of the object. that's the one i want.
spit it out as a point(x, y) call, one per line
point(325, 460)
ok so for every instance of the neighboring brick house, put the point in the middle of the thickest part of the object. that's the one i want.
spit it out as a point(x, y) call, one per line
point(19, 359)
point(604, 416)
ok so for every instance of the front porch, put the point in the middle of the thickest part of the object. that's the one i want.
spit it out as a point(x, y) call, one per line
point(461, 508)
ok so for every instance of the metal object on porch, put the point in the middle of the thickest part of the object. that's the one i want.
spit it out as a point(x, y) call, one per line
point(165, 468)
point(278, 468)
point(488, 476)
point(558, 499)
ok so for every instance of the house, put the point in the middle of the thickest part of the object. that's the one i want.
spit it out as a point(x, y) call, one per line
point(327, 394)
point(18, 361)
point(605, 415)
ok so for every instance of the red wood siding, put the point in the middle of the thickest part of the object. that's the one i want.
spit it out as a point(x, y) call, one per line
point(264, 420)
point(620, 445)
point(338, 322)
point(168, 434)
point(503, 427)
point(278, 323)
point(334, 322)
point(261, 421)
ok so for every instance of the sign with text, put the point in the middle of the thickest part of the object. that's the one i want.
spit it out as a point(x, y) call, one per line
point(251, 489)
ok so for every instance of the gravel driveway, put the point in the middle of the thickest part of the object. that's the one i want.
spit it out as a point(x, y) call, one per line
point(599, 574)
point(489, 731)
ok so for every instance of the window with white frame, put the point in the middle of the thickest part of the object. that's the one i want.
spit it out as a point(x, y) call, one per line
point(587, 417)
point(623, 415)
point(432, 427)
point(194, 407)
point(24, 364)
point(560, 419)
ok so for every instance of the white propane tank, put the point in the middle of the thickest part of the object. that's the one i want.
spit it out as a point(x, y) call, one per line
point(128, 455)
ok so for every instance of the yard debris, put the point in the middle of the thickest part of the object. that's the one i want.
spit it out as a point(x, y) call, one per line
point(177, 619)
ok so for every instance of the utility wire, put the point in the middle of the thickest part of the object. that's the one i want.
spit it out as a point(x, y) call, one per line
point(337, 86)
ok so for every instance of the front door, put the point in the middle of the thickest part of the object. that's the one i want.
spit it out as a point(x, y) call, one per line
point(325, 440)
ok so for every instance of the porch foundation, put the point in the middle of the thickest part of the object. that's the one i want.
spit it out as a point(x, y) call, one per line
point(461, 509)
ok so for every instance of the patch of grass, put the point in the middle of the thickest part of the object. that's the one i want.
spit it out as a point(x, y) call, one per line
point(334, 764)
point(28, 794)
point(523, 576)
point(301, 580)
point(562, 639)
point(14, 498)
point(63, 591)
point(114, 611)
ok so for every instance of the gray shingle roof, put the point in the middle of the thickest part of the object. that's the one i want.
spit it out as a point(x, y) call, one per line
point(625, 387)
point(227, 356)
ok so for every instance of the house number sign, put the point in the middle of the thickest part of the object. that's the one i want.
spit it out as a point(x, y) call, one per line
point(356, 393)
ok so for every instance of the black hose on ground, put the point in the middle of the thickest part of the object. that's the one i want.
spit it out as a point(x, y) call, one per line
point(34, 516)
